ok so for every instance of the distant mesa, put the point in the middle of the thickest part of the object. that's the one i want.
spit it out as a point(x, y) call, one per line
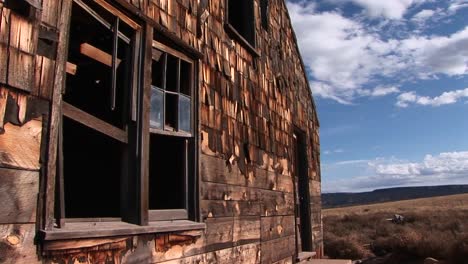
point(331, 200)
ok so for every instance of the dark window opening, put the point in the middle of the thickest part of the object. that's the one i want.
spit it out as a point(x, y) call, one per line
point(264, 13)
point(92, 171)
point(96, 106)
point(241, 19)
point(21, 7)
point(168, 172)
point(91, 51)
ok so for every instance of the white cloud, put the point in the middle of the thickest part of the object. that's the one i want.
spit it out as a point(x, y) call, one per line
point(382, 91)
point(456, 5)
point(394, 9)
point(405, 99)
point(423, 15)
point(328, 152)
point(441, 169)
point(346, 57)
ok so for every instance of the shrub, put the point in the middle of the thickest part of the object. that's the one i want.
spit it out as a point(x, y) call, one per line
point(345, 249)
point(459, 251)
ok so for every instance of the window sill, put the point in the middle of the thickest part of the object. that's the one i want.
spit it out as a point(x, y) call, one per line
point(79, 230)
point(232, 31)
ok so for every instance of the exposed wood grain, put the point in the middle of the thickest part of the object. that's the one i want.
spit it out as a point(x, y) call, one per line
point(93, 122)
point(80, 243)
point(277, 249)
point(17, 244)
point(20, 69)
point(246, 230)
point(77, 230)
point(26, 154)
point(71, 68)
point(219, 233)
point(274, 227)
point(18, 193)
point(212, 208)
point(118, 13)
point(248, 254)
point(47, 217)
point(97, 54)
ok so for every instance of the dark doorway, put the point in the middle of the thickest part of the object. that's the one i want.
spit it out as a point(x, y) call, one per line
point(302, 197)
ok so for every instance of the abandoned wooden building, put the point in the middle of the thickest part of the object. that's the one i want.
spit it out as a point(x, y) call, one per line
point(148, 131)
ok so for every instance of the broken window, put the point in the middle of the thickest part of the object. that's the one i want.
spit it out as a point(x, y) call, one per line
point(97, 110)
point(171, 136)
point(241, 20)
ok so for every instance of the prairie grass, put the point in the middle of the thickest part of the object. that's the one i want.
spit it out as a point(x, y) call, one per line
point(433, 227)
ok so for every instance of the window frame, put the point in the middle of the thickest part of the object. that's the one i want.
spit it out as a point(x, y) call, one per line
point(231, 29)
point(191, 148)
point(138, 136)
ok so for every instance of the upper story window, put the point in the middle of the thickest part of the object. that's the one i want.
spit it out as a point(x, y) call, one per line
point(240, 21)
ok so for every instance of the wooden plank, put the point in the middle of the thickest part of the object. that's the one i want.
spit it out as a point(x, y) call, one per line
point(47, 78)
point(46, 196)
point(71, 68)
point(246, 254)
point(21, 34)
point(80, 243)
point(26, 154)
point(17, 244)
point(79, 230)
point(274, 227)
point(174, 214)
point(3, 62)
point(97, 54)
point(49, 12)
point(118, 13)
point(246, 230)
point(219, 233)
point(93, 122)
point(20, 70)
point(18, 193)
point(278, 249)
point(212, 208)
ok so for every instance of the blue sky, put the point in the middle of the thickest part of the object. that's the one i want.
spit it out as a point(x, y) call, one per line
point(390, 80)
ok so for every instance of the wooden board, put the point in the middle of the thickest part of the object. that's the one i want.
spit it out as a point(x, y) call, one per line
point(17, 244)
point(18, 193)
point(26, 154)
point(274, 227)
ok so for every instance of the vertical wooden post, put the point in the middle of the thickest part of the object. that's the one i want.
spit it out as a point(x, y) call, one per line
point(144, 126)
point(55, 114)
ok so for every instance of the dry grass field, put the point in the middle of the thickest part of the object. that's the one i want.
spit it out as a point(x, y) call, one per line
point(433, 227)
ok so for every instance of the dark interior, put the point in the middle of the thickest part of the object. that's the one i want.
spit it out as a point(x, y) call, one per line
point(20, 7)
point(167, 172)
point(90, 88)
point(241, 17)
point(92, 164)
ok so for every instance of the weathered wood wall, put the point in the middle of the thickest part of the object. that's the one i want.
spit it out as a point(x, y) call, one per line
point(249, 108)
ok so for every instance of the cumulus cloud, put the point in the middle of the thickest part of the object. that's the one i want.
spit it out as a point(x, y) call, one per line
point(444, 168)
point(394, 9)
point(451, 97)
point(346, 57)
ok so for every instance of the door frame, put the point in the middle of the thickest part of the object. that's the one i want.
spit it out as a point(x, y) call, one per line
point(301, 193)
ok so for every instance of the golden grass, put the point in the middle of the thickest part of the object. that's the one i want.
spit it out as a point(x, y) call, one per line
point(455, 202)
point(434, 227)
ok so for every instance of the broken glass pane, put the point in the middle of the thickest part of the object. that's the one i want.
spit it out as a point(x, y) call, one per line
point(184, 113)
point(157, 108)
